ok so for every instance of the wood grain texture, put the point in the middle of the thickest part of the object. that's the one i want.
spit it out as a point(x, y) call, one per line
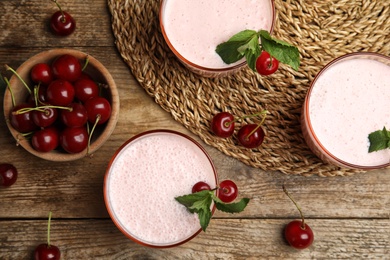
point(349, 215)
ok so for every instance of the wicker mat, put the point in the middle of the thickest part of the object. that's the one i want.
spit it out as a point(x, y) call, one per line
point(321, 29)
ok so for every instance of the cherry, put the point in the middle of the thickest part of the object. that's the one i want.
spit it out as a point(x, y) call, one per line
point(265, 65)
point(45, 117)
point(222, 124)
point(297, 233)
point(75, 117)
point(61, 22)
point(22, 122)
point(74, 139)
point(8, 174)
point(228, 191)
point(41, 73)
point(67, 67)
point(47, 251)
point(98, 109)
point(38, 96)
point(60, 93)
point(45, 140)
point(85, 89)
point(251, 135)
point(199, 186)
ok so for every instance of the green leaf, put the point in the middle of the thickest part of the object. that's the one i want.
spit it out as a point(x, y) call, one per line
point(379, 140)
point(204, 218)
point(190, 199)
point(281, 50)
point(234, 207)
point(235, 48)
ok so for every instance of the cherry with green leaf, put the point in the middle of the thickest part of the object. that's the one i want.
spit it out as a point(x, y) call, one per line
point(246, 44)
point(47, 251)
point(297, 233)
point(200, 203)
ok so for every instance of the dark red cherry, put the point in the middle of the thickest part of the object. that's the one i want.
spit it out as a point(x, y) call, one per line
point(62, 23)
point(22, 122)
point(40, 97)
point(222, 124)
point(74, 139)
point(98, 109)
point(8, 174)
point(60, 93)
point(228, 191)
point(41, 73)
point(45, 117)
point(67, 67)
point(85, 89)
point(45, 140)
point(75, 117)
point(251, 135)
point(46, 252)
point(265, 65)
point(199, 186)
point(298, 236)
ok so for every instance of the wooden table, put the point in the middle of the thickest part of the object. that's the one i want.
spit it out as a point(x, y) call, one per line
point(350, 216)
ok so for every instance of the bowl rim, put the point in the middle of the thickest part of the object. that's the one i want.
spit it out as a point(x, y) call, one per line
point(107, 174)
point(49, 55)
point(306, 113)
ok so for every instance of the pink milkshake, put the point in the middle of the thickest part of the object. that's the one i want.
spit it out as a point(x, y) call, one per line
point(349, 99)
point(142, 181)
point(194, 28)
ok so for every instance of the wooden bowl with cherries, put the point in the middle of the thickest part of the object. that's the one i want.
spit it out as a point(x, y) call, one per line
point(61, 104)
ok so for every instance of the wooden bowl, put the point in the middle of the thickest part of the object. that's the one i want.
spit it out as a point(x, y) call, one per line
point(95, 70)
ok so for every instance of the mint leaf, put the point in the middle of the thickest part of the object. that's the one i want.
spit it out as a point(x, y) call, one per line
point(204, 218)
point(235, 48)
point(379, 140)
point(234, 207)
point(281, 50)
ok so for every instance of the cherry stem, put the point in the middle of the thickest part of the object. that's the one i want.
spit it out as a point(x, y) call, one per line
point(48, 230)
point(264, 113)
point(86, 62)
point(10, 90)
point(92, 130)
point(18, 76)
point(41, 109)
point(62, 13)
point(296, 205)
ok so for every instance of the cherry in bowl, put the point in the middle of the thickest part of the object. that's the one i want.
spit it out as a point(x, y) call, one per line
point(94, 70)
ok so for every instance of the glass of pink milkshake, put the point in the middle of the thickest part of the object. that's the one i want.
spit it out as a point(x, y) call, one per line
point(141, 183)
point(348, 100)
point(194, 28)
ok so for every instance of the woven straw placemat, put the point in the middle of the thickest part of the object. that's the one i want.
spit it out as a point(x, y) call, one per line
point(322, 30)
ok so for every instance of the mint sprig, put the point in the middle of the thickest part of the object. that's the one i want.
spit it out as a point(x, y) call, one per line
point(200, 203)
point(379, 140)
point(246, 44)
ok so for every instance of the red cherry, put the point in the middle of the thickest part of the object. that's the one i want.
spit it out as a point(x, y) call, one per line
point(40, 98)
point(265, 65)
point(85, 89)
point(8, 174)
point(222, 124)
point(298, 236)
point(60, 93)
point(74, 139)
point(228, 191)
point(45, 140)
point(199, 186)
point(98, 107)
point(41, 73)
point(22, 122)
point(76, 117)
point(46, 252)
point(62, 23)
point(67, 67)
point(251, 135)
point(45, 117)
